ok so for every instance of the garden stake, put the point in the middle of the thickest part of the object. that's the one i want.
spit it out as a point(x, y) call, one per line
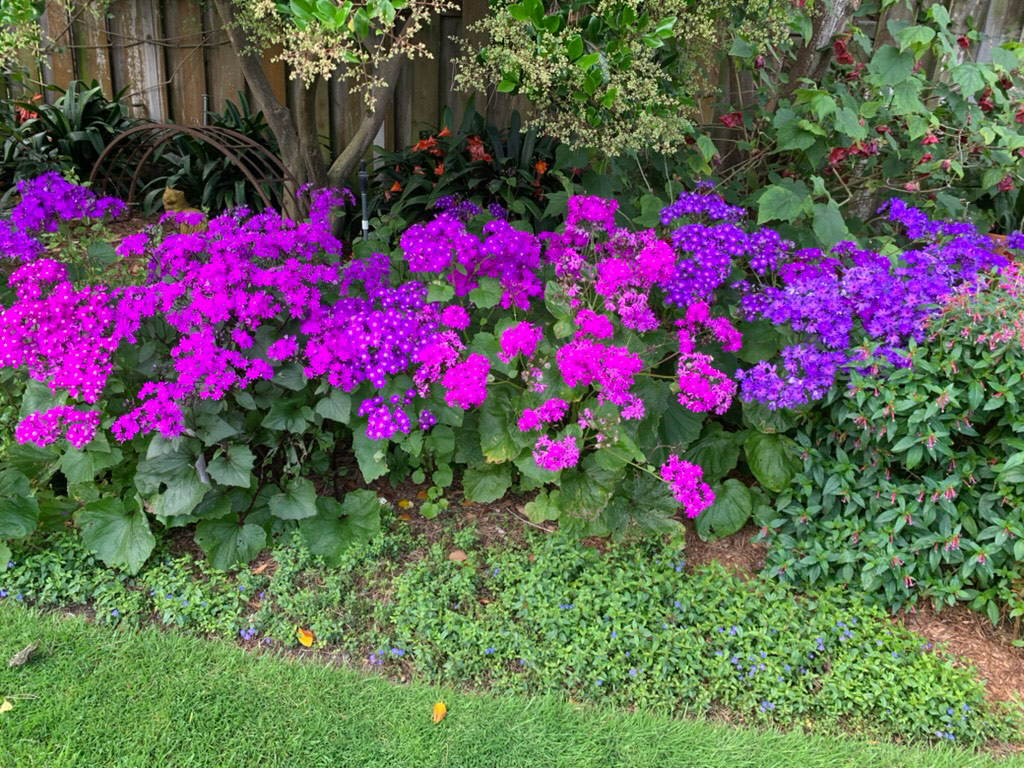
point(364, 179)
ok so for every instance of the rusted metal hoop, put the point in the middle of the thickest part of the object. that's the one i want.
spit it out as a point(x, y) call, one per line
point(260, 167)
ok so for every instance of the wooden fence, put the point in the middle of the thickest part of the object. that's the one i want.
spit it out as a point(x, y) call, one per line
point(175, 62)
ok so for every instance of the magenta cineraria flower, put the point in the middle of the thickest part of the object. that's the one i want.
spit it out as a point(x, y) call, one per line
point(549, 412)
point(45, 427)
point(594, 325)
point(283, 348)
point(609, 369)
point(519, 339)
point(554, 455)
point(455, 317)
point(686, 483)
point(465, 383)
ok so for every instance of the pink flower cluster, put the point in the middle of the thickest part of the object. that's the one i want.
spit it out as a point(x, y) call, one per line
point(686, 482)
point(519, 339)
point(554, 455)
point(465, 383)
point(550, 411)
point(44, 427)
point(609, 369)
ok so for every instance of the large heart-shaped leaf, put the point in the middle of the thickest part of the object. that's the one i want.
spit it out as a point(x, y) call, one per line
point(371, 455)
point(19, 511)
point(117, 537)
point(233, 467)
point(336, 527)
point(772, 459)
point(730, 511)
point(227, 543)
point(486, 483)
point(296, 501)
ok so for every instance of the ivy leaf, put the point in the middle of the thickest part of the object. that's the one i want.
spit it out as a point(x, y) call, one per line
point(730, 511)
point(847, 122)
point(828, 224)
point(780, 203)
point(487, 483)
point(116, 537)
point(233, 467)
point(890, 66)
point(772, 459)
point(19, 510)
point(295, 502)
point(229, 544)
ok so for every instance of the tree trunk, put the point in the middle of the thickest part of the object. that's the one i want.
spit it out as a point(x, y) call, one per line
point(345, 163)
point(812, 59)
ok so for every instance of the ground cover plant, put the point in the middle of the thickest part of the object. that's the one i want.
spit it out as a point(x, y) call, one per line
point(625, 626)
point(84, 678)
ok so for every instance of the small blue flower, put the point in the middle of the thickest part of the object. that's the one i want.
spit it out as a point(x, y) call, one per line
point(114, 612)
point(764, 655)
point(732, 630)
point(965, 708)
point(19, 596)
point(3, 593)
point(488, 650)
point(10, 563)
point(599, 682)
point(678, 604)
point(184, 603)
point(169, 596)
point(895, 655)
point(397, 652)
point(614, 635)
point(632, 673)
point(787, 667)
point(949, 711)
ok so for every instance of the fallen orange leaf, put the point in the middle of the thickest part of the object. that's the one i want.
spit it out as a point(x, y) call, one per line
point(305, 636)
point(405, 516)
point(440, 710)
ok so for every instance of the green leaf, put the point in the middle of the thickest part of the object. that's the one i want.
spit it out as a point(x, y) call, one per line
point(741, 48)
point(229, 544)
point(83, 466)
point(730, 511)
point(906, 97)
point(968, 76)
point(19, 510)
point(679, 426)
point(336, 527)
point(5, 556)
point(763, 419)
point(828, 224)
point(116, 537)
point(544, 507)
point(891, 66)
point(780, 203)
point(848, 122)
point(772, 459)
point(587, 488)
point(917, 36)
point(761, 341)
point(371, 455)
point(500, 438)
point(234, 467)
point(101, 253)
point(707, 147)
point(291, 415)
point(1005, 58)
point(295, 502)
point(487, 483)
point(487, 293)
point(574, 47)
point(641, 501)
point(716, 452)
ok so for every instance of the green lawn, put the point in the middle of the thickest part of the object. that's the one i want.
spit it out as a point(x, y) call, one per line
point(103, 699)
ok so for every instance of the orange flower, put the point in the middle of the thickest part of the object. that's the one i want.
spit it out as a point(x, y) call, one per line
point(439, 169)
point(22, 114)
point(396, 187)
point(540, 167)
point(423, 144)
point(445, 133)
point(418, 170)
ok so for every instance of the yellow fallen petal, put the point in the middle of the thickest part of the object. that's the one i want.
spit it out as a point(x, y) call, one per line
point(305, 636)
point(7, 707)
point(405, 503)
point(440, 710)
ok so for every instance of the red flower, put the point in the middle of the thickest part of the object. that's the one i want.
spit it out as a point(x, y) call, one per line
point(881, 129)
point(1005, 184)
point(439, 169)
point(963, 42)
point(732, 120)
point(22, 113)
point(929, 138)
point(1019, 117)
point(445, 133)
point(985, 102)
point(841, 53)
point(912, 186)
point(836, 156)
point(476, 150)
point(423, 144)
point(540, 167)
point(925, 158)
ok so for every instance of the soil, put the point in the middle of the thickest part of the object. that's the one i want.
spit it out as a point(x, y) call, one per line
point(972, 637)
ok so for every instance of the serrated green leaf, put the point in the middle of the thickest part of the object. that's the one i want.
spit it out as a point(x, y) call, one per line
point(229, 544)
point(117, 538)
point(233, 467)
point(296, 501)
point(487, 483)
